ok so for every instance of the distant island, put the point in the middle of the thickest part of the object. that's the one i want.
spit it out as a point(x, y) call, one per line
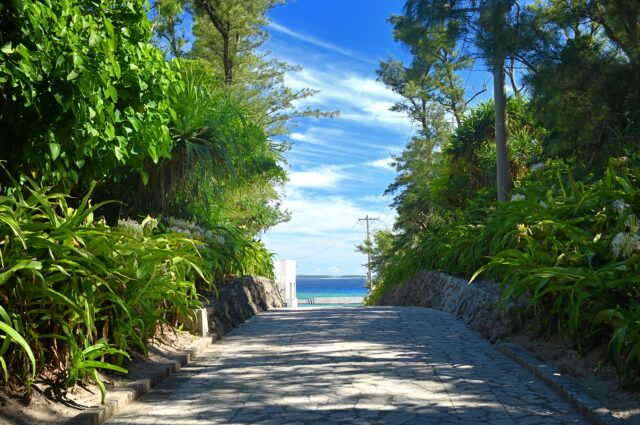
point(322, 276)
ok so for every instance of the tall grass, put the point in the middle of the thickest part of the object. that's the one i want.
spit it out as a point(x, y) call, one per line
point(228, 251)
point(76, 294)
point(575, 256)
point(570, 249)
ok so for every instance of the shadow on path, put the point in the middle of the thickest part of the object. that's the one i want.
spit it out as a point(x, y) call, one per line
point(352, 366)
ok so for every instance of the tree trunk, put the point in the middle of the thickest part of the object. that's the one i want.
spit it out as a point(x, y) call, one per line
point(224, 28)
point(502, 136)
point(226, 60)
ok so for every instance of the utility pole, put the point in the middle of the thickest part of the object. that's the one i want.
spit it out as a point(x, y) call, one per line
point(367, 219)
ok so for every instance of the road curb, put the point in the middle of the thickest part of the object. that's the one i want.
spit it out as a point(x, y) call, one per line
point(118, 398)
point(590, 408)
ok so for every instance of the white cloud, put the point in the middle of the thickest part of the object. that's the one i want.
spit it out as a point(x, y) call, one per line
point(319, 215)
point(299, 137)
point(360, 99)
point(327, 176)
point(383, 163)
point(320, 136)
point(324, 217)
point(375, 199)
point(371, 86)
point(318, 144)
point(331, 271)
point(317, 42)
point(324, 231)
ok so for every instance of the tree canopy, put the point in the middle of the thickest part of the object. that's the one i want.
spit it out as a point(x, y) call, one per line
point(83, 90)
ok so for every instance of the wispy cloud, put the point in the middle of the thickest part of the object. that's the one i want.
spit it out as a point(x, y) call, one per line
point(377, 199)
point(317, 42)
point(320, 136)
point(323, 216)
point(360, 99)
point(324, 230)
point(331, 270)
point(383, 163)
point(327, 176)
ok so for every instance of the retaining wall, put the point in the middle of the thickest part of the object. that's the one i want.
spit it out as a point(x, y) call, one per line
point(239, 301)
point(475, 303)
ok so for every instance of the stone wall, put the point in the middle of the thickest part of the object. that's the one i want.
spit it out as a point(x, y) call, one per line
point(475, 304)
point(239, 301)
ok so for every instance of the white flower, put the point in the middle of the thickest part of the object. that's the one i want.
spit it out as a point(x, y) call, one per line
point(537, 166)
point(619, 206)
point(130, 227)
point(517, 197)
point(623, 244)
point(543, 205)
point(631, 223)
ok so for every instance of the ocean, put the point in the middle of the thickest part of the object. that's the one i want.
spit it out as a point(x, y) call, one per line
point(329, 287)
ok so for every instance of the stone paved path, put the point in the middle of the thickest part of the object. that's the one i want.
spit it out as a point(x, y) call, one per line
point(351, 366)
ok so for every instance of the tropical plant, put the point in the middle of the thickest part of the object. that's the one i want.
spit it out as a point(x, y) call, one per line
point(90, 91)
point(75, 294)
point(569, 250)
point(227, 251)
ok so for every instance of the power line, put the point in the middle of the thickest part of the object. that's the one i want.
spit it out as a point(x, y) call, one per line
point(332, 244)
point(386, 200)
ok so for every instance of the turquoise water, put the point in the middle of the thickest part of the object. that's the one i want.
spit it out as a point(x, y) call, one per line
point(329, 288)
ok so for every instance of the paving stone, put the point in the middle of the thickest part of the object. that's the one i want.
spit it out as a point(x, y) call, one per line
point(355, 366)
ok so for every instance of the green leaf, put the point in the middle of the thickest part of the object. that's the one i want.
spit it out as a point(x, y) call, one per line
point(18, 339)
point(77, 59)
point(110, 131)
point(103, 389)
point(7, 49)
point(111, 92)
point(55, 150)
point(4, 369)
point(119, 152)
point(21, 265)
point(72, 75)
point(93, 364)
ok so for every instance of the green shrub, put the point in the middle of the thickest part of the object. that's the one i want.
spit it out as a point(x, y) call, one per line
point(570, 249)
point(75, 294)
point(574, 254)
point(90, 90)
point(227, 250)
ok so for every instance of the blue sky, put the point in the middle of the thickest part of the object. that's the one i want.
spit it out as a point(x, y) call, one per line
point(339, 168)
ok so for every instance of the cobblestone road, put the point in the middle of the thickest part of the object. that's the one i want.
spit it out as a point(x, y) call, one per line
point(351, 366)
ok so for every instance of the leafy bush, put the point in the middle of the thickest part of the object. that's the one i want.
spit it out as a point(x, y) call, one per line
point(226, 250)
point(574, 254)
point(570, 249)
point(75, 294)
point(90, 90)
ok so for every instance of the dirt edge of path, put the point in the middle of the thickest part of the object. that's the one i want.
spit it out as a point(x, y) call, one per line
point(234, 303)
